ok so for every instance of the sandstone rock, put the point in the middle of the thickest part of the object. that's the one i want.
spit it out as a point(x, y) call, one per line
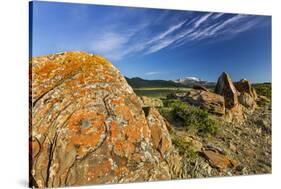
point(244, 86)
point(200, 87)
point(247, 100)
point(226, 88)
point(236, 114)
point(161, 140)
point(218, 160)
point(212, 102)
point(151, 102)
point(88, 126)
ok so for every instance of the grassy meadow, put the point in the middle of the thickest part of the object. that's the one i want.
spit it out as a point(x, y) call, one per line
point(159, 92)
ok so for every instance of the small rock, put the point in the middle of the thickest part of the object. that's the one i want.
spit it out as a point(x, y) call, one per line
point(217, 160)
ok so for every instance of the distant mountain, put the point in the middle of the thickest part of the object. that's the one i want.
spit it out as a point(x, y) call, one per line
point(137, 82)
point(190, 81)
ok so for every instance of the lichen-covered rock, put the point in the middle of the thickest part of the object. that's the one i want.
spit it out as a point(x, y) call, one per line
point(151, 102)
point(244, 86)
point(88, 126)
point(226, 88)
point(162, 142)
point(212, 102)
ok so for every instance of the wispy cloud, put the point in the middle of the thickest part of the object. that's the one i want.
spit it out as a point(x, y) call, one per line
point(144, 33)
point(202, 19)
point(152, 73)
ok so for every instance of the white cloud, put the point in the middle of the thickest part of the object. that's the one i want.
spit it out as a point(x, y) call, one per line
point(152, 73)
point(167, 32)
point(218, 15)
point(118, 42)
point(160, 45)
point(227, 22)
point(202, 19)
point(108, 42)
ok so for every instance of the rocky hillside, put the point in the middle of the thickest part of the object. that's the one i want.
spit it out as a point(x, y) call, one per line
point(88, 126)
point(222, 132)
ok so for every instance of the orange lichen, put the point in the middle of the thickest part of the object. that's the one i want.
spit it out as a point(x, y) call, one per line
point(90, 123)
point(88, 135)
point(115, 130)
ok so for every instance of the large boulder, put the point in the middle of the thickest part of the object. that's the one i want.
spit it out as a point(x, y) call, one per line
point(212, 102)
point(244, 86)
point(226, 88)
point(88, 126)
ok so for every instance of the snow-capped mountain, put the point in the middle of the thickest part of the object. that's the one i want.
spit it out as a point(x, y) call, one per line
point(192, 81)
point(189, 80)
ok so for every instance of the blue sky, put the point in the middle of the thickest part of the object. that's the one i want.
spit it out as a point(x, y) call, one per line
point(157, 43)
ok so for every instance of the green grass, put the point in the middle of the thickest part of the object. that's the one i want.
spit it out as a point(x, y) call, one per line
point(263, 89)
point(159, 92)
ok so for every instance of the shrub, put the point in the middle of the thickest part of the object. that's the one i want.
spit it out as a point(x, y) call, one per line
point(193, 118)
point(183, 147)
point(180, 144)
point(263, 89)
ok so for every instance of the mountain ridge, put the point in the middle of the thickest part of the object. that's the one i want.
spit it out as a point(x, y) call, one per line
point(137, 82)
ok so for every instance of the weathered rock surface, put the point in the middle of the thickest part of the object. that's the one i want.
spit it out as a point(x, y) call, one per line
point(88, 126)
point(200, 87)
point(226, 88)
point(248, 95)
point(247, 100)
point(151, 102)
point(212, 102)
point(244, 86)
point(218, 160)
point(162, 142)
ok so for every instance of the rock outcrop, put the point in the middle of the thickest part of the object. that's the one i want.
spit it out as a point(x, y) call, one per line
point(212, 102)
point(247, 100)
point(88, 126)
point(200, 87)
point(248, 95)
point(244, 86)
point(226, 88)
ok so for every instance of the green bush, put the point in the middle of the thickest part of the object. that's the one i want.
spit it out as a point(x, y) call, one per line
point(263, 89)
point(183, 147)
point(193, 118)
point(180, 144)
